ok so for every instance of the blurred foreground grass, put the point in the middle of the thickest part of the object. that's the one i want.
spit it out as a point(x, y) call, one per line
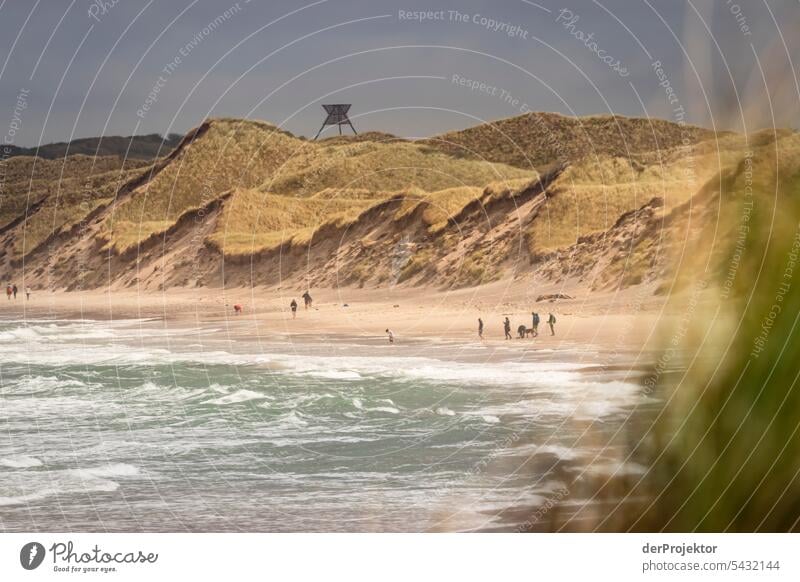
point(724, 455)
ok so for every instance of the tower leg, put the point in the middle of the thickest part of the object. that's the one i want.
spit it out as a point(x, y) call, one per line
point(351, 127)
point(319, 132)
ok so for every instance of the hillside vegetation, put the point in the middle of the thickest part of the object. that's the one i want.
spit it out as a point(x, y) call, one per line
point(540, 139)
point(40, 197)
point(138, 147)
point(242, 202)
point(245, 155)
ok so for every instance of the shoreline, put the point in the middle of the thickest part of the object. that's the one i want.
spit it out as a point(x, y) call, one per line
point(603, 321)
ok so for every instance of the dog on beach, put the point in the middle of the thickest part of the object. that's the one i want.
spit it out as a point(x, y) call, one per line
point(524, 332)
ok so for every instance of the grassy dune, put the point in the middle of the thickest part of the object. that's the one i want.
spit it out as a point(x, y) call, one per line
point(231, 154)
point(252, 221)
point(72, 201)
point(591, 194)
point(24, 181)
point(383, 167)
point(535, 140)
point(252, 157)
point(50, 196)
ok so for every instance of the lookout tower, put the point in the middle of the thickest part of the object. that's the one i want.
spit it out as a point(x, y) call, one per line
point(337, 115)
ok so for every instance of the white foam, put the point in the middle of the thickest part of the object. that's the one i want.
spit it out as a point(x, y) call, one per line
point(236, 397)
point(36, 384)
point(27, 486)
point(20, 462)
point(292, 419)
point(544, 387)
point(337, 375)
point(56, 345)
point(389, 409)
point(106, 471)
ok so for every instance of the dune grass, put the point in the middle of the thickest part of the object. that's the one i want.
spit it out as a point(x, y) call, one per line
point(27, 181)
point(62, 194)
point(252, 221)
point(250, 156)
point(230, 154)
point(437, 207)
point(536, 139)
point(381, 166)
point(725, 454)
point(591, 195)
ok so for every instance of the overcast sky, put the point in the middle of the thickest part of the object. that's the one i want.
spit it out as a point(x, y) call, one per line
point(78, 68)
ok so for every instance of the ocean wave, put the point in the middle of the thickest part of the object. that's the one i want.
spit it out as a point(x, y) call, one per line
point(35, 384)
point(541, 388)
point(20, 462)
point(21, 487)
point(90, 344)
point(389, 409)
point(107, 471)
point(336, 374)
point(236, 397)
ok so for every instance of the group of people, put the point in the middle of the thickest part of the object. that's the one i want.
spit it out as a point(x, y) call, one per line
point(238, 308)
point(306, 300)
point(12, 290)
point(522, 330)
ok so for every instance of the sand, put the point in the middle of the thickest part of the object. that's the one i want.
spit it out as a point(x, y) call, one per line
point(626, 321)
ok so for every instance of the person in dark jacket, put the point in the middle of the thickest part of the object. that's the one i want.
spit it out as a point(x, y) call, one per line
point(551, 321)
point(507, 328)
point(307, 299)
point(535, 324)
point(293, 305)
point(480, 328)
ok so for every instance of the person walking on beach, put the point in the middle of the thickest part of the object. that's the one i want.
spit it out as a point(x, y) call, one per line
point(28, 293)
point(551, 321)
point(293, 305)
point(535, 324)
point(480, 328)
point(391, 335)
point(9, 291)
point(507, 328)
point(14, 289)
point(307, 299)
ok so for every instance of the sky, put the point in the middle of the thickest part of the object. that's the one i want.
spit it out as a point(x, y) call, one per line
point(80, 68)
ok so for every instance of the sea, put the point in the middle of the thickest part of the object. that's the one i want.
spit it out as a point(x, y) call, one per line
point(151, 425)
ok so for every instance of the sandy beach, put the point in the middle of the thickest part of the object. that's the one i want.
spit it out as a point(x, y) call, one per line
point(626, 320)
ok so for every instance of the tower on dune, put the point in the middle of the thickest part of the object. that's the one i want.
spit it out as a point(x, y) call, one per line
point(337, 115)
